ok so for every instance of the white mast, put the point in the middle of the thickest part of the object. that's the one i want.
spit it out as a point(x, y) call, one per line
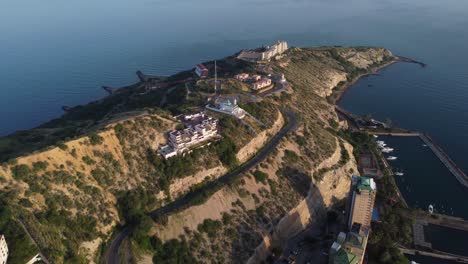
point(216, 78)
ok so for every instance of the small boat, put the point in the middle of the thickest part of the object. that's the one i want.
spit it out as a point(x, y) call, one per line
point(424, 145)
point(399, 173)
point(380, 142)
point(430, 209)
point(391, 158)
point(387, 150)
point(375, 136)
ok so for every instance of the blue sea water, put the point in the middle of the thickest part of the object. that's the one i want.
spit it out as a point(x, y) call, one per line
point(55, 53)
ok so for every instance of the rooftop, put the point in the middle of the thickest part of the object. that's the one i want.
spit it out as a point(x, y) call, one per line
point(201, 67)
point(343, 256)
point(364, 183)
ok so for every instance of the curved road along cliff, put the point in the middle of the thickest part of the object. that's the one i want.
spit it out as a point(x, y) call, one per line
point(112, 256)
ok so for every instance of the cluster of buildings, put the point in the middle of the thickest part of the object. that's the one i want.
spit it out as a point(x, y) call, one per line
point(264, 53)
point(349, 248)
point(198, 128)
point(3, 250)
point(256, 82)
point(227, 105)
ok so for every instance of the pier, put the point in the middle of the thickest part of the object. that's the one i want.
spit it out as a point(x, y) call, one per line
point(449, 163)
point(419, 237)
point(434, 254)
point(436, 149)
point(442, 220)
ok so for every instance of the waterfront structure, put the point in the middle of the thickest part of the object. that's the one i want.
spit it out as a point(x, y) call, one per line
point(201, 71)
point(3, 250)
point(227, 106)
point(363, 191)
point(263, 53)
point(199, 128)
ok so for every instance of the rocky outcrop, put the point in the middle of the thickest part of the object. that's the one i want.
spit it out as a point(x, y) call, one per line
point(182, 185)
point(259, 140)
point(363, 58)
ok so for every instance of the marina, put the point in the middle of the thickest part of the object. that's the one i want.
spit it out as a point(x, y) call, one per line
point(423, 179)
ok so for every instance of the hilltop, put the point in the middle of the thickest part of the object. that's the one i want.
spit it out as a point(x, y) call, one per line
point(72, 180)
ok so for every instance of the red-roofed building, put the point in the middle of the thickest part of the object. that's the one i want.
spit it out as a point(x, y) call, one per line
point(201, 71)
point(242, 77)
point(262, 83)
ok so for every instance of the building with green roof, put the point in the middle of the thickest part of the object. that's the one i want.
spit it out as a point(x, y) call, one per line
point(363, 191)
point(343, 256)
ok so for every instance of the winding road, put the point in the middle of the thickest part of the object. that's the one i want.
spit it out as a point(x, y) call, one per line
point(112, 256)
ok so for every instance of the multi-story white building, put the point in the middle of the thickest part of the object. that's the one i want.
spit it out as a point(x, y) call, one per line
point(3, 250)
point(227, 106)
point(264, 53)
point(204, 128)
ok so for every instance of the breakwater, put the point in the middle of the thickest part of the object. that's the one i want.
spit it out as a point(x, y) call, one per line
point(436, 149)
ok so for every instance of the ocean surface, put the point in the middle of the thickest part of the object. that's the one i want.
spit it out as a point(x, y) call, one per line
point(55, 53)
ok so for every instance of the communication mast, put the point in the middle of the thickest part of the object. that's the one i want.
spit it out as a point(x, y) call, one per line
point(216, 79)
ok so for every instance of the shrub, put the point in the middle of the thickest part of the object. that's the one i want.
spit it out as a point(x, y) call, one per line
point(290, 156)
point(226, 150)
point(40, 166)
point(73, 153)
point(301, 141)
point(260, 176)
point(227, 218)
point(95, 139)
point(210, 227)
point(62, 145)
point(88, 160)
point(101, 176)
point(20, 171)
point(173, 251)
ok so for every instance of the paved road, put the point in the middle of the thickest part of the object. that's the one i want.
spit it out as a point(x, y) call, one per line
point(184, 202)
